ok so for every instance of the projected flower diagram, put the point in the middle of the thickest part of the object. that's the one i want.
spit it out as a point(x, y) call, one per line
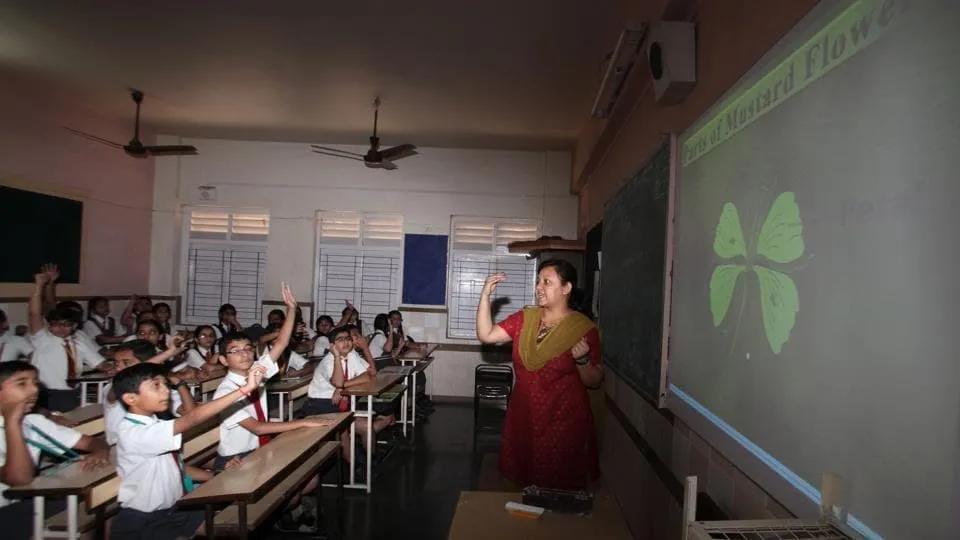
point(780, 241)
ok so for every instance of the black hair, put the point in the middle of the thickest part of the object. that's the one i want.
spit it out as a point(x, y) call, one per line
point(327, 318)
point(60, 314)
point(11, 368)
point(226, 307)
point(162, 304)
point(395, 312)
point(151, 322)
point(332, 336)
point(93, 302)
point(567, 274)
point(128, 381)
point(231, 336)
point(197, 330)
point(283, 316)
point(73, 308)
point(141, 348)
point(382, 322)
point(3, 316)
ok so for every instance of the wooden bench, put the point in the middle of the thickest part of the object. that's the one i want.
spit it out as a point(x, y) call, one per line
point(87, 419)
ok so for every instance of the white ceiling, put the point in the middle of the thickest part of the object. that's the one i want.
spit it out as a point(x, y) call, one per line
point(491, 73)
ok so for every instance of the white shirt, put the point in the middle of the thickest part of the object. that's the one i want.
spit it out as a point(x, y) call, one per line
point(377, 342)
point(297, 362)
point(216, 328)
point(320, 387)
point(91, 343)
point(320, 346)
point(197, 358)
point(113, 414)
point(50, 357)
point(13, 347)
point(147, 463)
point(92, 329)
point(63, 435)
point(234, 438)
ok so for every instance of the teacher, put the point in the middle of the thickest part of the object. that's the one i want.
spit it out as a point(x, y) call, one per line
point(548, 437)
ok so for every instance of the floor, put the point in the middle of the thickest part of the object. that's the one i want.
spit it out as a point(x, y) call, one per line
point(417, 485)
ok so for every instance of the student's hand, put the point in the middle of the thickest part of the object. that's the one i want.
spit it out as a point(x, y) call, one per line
point(360, 342)
point(52, 271)
point(95, 460)
point(254, 378)
point(580, 349)
point(315, 422)
point(233, 464)
point(288, 299)
point(173, 379)
point(336, 397)
point(41, 279)
point(13, 413)
point(490, 284)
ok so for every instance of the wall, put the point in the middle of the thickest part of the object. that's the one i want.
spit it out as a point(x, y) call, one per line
point(293, 183)
point(645, 452)
point(37, 154)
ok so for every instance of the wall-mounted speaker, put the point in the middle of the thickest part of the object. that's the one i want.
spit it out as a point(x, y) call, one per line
point(671, 52)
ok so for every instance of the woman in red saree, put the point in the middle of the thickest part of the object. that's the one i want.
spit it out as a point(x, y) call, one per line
point(548, 437)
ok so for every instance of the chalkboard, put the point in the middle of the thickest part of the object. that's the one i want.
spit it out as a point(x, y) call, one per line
point(37, 229)
point(632, 276)
point(424, 269)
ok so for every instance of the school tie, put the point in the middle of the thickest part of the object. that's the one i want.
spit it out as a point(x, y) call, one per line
point(344, 404)
point(71, 360)
point(255, 400)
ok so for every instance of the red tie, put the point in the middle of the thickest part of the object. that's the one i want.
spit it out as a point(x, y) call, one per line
point(344, 401)
point(71, 360)
point(255, 399)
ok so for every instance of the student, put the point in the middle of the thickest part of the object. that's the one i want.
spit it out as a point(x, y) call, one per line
point(57, 355)
point(342, 368)
point(400, 341)
point(148, 330)
point(162, 314)
point(99, 325)
point(129, 354)
point(228, 322)
point(137, 306)
point(290, 362)
point(25, 436)
point(76, 314)
point(275, 317)
point(12, 346)
point(379, 344)
point(201, 355)
point(322, 343)
point(152, 474)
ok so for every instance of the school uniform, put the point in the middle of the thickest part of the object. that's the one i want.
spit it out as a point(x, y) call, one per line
point(235, 440)
point(296, 362)
point(14, 347)
point(152, 480)
point(320, 346)
point(197, 357)
point(321, 389)
point(223, 329)
point(84, 337)
point(113, 414)
point(377, 341)
point(58, 359)
point(96, 325)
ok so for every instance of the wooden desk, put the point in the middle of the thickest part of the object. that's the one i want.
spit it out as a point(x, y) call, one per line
point(370, 390)
point(419, 364)
point(287, 391)
point(206, 386)
point(87, 420)
point(411, 367)
point(261, 471)
point(481, 515)
point(97, 379)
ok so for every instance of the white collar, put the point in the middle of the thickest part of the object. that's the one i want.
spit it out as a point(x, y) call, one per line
point(236, 378)
point(152, 419)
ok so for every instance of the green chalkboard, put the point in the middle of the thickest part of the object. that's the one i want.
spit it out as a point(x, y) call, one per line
point(632, 276)
point(37, 229)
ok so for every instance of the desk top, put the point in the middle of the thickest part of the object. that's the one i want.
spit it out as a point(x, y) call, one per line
point(289, 385)
point(69, 480)
point(91, 376)
point(266, 466)
point(376, 387)
point(481, 515)
point(82, 415)
point(410, 354)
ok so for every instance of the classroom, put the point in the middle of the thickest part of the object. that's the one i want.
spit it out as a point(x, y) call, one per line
point(648, 269)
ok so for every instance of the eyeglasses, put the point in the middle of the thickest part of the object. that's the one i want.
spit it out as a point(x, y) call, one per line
point(240, 350)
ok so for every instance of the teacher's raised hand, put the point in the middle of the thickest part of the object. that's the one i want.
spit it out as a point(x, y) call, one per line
point(490, 284)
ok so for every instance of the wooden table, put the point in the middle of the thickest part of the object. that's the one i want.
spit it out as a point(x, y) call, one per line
point(206, 386)
point(261, 471)
point(370, 390)
point(420, 359)
point(411, 367)
point(287, 391)
point(99, 379)
point(87, 419)
point(481, 515)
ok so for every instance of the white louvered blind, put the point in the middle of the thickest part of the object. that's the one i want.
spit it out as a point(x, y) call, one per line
point(360, 259)
point(479, 248)
point(226, 259)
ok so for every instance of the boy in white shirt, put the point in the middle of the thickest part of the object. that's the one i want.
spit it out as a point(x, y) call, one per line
point(12, 346)
point(25, 436)
point(152, 474)
point(57, 354)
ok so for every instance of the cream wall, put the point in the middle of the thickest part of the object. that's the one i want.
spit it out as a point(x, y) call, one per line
point(293, 183)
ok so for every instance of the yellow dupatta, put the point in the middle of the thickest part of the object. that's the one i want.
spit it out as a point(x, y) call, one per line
point(560, 339)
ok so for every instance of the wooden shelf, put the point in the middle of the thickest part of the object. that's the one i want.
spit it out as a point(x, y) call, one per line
point(546, 244)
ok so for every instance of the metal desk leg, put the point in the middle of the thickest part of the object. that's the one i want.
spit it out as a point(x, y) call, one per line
point(289, 408)
point(83, 394)
point(353, 441)
point(72, 532)
point(38, 517)
point(208, 521)
point(403, 406)
point(280, 406)
point(414, 377)
point(371, 442)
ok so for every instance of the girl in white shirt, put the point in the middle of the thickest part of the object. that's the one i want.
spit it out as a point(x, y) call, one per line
point(379, 340)
point(202, 355)
point(100, 326)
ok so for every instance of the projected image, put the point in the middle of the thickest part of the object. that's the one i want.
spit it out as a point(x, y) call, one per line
point(780, 241)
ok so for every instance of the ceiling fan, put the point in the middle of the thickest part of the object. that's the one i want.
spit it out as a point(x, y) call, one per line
point(374, 158)
point(136, 148)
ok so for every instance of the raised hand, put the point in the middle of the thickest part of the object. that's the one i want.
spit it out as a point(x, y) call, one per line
point(41, 279)
point(288, 298)
point(52, 271)
point(580, 349)
point(490, 284)
point(254, 378)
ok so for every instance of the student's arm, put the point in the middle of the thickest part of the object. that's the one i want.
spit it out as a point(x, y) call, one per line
point(198, 474)
point(97, 449)
point(210, 409)
point(337, 378)
point(267, 338)
point(360, 379)
point(388, 344)
point(487, 332)
point(126, 319)
point(361, 343)
point(18, 469)
point(287, 329)
point(35, 307)
point(50, 291)
point(175, 349)
point(269, 428)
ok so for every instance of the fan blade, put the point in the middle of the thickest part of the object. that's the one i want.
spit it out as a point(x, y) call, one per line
point(171, 150)
point(334, 150)
point(398, 152)
point(380, 165)
point(94, 138)
point(315, 151)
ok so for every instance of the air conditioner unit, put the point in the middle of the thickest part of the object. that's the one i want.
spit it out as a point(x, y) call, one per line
point(671, 53)
point(629, 44)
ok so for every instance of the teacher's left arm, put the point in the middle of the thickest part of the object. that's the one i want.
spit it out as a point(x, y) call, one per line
point(586, 356)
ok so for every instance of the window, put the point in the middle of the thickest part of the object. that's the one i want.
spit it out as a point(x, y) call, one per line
point(360, 259)
point(478, 249)
point(226, 254)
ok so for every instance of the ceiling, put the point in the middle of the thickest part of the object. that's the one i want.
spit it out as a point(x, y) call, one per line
point(488, 74)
